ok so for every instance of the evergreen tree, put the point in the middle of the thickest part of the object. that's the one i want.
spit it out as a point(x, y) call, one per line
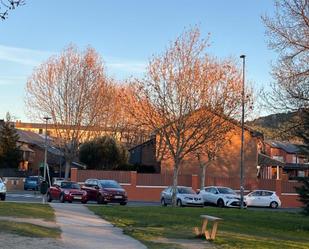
point(103, 153)
point(303, 132)
point(9, 152)
point(303, 193)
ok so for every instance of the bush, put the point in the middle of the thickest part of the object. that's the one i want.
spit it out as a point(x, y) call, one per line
point(303, 193)
point(103, 153)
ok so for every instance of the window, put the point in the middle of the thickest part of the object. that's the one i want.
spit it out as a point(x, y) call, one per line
point(266, 193)
point(213, 191)
point(256, 193)
point(279, 158)
point(40, 131)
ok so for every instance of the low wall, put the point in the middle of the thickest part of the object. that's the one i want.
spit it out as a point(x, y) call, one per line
point(14, 183)
point(290, 200)
point(148, 187)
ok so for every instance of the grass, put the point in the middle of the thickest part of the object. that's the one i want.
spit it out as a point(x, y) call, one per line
point(27, 210)
point(29, 230)
point(240, 228)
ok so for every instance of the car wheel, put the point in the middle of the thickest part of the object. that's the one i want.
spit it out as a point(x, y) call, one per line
point(49, 198)
point(70, 201)
point(274, 204)
point(61, 199)
point(163, 203)
point(84, 202)
point(123, 203)
point(220, 203)
point(2, 197)
point(179, 203)
point(100, 199)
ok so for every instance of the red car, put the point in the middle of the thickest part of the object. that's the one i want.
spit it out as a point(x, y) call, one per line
point(105, 191)
point(67, 191)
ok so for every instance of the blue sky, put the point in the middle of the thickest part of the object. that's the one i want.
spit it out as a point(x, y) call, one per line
point(126, 34)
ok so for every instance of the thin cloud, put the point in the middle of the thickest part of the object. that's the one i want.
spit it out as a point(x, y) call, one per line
point(9, 80)
point(24, 56)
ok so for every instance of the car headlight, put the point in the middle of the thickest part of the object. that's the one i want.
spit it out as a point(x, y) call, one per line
point(67, 192)
point(84, 193)
point(229, 197)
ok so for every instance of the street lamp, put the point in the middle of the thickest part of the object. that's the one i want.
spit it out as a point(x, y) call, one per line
point(45, 156)
point(243, 57)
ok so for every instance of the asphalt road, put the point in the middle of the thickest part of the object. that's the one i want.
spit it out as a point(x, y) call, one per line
point(36, 197)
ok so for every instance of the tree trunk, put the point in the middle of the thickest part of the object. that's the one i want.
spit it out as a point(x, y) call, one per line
point(175, 183)
point(67, 169)
point(202, 175)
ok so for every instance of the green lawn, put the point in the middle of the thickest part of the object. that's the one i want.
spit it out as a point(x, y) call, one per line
point(27, 210)
point(26, 229)
point(240, 228)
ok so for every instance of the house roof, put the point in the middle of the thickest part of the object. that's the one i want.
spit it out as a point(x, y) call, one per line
point(32, 138)
point(264, 160)
point(288, 147)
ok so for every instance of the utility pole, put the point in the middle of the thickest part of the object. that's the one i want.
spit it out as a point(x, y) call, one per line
point(243, 57)
point(45, 155)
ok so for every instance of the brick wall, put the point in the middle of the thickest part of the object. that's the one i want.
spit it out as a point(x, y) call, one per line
point(147, 187)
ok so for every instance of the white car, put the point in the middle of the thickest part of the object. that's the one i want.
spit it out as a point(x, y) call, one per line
point(263, 198)
point(220, 196)
point(186, 196)
point(2, 190)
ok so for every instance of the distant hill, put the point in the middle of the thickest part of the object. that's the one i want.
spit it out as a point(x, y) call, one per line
point(276, 126)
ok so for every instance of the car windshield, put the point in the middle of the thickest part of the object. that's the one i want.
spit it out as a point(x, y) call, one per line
point(70, 185)
point(109, 184)
point(32, 179)
point(186, 191)
point(226, 191)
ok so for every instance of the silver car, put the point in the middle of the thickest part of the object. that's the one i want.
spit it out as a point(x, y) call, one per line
point(220, 196)
point(2, 190)
point(186, 196)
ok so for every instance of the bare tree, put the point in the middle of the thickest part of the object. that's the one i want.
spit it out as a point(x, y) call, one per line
point(211, 149)
point(70, 89)
point(184, 97)
point(288, 33)
point(8, 5)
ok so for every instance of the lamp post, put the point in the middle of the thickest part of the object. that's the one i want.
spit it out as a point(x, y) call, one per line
point(243, 57)
point(45, 155)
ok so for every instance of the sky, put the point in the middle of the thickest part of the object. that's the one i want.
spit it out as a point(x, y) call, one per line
point(126, 34)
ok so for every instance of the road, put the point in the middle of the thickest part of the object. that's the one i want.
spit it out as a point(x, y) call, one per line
point(36, 197)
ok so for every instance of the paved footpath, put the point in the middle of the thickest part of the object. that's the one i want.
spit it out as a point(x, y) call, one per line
point(82, 229)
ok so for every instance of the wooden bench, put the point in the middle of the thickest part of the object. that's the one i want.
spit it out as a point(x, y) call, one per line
point(204, 230)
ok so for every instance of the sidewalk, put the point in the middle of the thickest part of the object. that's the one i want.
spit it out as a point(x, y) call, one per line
point(81, 229)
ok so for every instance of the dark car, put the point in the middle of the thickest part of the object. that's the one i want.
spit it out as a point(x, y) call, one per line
point(67, 191)
point(105, 191)
point(33, 182)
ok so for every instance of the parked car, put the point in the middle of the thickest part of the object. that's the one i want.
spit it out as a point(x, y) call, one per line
point(105, 191)
point(185, 196)
point(263, 198)
point(2, 190)
point(220, 196)
point(33, 182)
point(58, 180)
point(67, 191)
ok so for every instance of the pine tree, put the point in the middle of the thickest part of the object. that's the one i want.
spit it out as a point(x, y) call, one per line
point(303, 193)
point(303, 132)
point(9, 152)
